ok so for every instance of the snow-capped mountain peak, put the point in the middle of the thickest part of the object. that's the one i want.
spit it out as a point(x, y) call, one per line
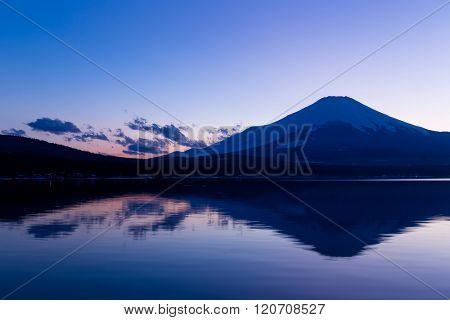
point(345, 110)
point(330, 118)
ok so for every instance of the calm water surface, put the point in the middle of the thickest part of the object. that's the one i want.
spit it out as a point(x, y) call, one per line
point(232, 241)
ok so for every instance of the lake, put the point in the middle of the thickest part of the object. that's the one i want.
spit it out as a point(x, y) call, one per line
point(229, 240)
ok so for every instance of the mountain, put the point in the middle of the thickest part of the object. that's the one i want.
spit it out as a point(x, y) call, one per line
point(335, 136)
point(339, 130)
point(26, 156)
point(389, 208)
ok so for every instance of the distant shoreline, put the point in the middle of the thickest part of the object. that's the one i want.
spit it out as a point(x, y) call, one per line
point(224, 178)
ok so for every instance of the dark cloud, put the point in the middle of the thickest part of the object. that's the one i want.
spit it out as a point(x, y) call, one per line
point(168, 131)
point(14, 132)
point(147, 146)
point(89, 136)
point(173, 133)
point(134, 153)
point(139, 124)
point(54, 126)
point(123, 140)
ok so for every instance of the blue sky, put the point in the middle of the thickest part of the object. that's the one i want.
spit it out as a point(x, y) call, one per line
point(220, 62)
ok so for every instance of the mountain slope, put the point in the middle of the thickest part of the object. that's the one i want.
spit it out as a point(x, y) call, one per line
point(25, 156)
point(349, 111)
point(341, 131)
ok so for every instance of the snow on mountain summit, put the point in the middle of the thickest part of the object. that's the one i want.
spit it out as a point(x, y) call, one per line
point(345, 110)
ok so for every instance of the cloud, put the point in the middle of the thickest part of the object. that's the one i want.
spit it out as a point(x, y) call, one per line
point(173, 133)
point(89, 136)
point(224, 132)
point(139, 124)
point(167, 131)
point(229, 131)
point(207, 135)
point(54, 126)
point(123, 140)
point(185, 128)
point(14, 132)
point(147, 146)
point(134, 153)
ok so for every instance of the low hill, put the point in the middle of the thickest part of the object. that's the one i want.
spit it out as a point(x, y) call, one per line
point(25, 156)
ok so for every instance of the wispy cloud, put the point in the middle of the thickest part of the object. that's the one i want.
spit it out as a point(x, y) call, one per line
point(123, 139)
point(133, 153)
point(89, 136)
point(14, 132)
point(147, 146)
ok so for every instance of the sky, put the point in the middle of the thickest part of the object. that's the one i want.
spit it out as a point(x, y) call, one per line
point(217, 63)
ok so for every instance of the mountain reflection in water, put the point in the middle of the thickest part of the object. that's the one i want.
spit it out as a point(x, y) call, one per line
point(224, 220)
